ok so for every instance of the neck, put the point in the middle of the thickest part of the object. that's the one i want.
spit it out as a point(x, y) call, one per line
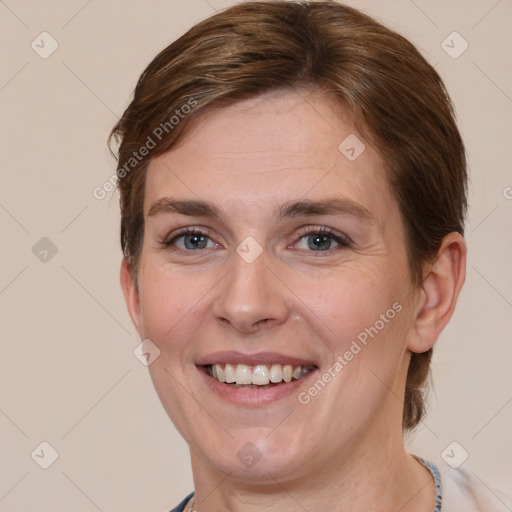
point(382, 477)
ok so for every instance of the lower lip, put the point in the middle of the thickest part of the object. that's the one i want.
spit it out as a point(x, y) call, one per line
point(253, 396)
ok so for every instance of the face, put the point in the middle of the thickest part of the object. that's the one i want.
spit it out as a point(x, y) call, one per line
point(272, 251)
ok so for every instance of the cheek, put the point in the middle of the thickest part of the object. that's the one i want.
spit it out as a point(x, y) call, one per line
point(343, 303)
point(168, 302)
point(360, 318)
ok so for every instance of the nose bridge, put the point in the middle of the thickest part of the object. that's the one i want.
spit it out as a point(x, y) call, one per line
point(250, 295)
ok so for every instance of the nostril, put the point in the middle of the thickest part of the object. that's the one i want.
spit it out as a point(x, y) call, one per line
point(245, 325)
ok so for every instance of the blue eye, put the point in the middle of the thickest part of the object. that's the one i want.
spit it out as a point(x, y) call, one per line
point(195, 241)
point(191, 240)
point(321, 240)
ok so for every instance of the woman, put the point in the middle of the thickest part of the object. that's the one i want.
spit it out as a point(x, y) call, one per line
point(293, 193)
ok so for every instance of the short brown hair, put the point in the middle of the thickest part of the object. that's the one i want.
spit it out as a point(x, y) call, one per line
point(398, 101)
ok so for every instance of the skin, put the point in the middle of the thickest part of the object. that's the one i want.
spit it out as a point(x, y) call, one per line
point(344, 449)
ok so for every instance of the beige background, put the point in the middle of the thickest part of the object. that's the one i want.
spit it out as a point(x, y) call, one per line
point(67, 372)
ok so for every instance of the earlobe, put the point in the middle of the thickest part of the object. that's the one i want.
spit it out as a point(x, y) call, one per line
point(131, 294)
point(439, 293)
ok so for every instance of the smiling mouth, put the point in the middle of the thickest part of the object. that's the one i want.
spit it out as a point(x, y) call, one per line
point(259, 376)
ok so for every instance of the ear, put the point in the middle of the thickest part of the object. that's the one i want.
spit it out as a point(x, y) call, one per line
point(131, 294)
point(439, 293)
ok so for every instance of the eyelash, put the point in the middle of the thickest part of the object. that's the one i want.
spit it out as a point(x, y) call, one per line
point(343, 240)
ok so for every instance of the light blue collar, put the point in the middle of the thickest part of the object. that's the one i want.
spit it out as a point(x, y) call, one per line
point(437, 480)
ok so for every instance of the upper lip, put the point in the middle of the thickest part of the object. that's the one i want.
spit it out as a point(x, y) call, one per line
point(267, 358)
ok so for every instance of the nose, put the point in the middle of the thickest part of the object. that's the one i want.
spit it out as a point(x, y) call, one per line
point(251, 296)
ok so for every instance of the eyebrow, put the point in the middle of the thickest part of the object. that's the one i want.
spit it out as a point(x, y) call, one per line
point(331, 206)
point(301, 208)
point(193, 208)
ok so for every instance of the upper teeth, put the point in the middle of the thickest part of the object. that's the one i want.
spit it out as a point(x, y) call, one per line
point(260, 374)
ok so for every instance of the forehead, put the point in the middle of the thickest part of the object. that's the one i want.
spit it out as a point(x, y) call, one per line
point(284, 144)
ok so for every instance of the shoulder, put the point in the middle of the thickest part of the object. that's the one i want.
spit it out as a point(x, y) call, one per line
point(464, 491)
point(181, 506)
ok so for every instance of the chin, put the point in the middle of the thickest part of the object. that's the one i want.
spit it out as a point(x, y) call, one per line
point(259, 461)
